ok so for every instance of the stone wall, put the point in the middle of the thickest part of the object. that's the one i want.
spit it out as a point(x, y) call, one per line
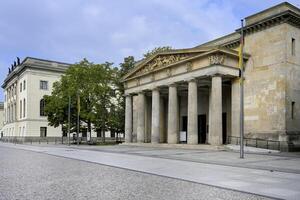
point(265, 83)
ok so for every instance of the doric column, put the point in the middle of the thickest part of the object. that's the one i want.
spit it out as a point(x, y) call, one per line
point(192, 129)
point(155, 128)
point(235, 107)
point(215, 119)
point(162, 126)
point(141, 118)
point(128, 119)
point(173, 125)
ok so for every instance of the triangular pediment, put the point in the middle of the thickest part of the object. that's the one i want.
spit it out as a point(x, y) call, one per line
point(164, 59)
point(173, 57)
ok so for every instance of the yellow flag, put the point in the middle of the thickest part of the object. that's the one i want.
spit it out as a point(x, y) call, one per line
point(241, 53)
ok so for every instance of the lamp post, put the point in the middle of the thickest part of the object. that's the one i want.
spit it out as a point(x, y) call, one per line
point(78, 120)
point(69, 119)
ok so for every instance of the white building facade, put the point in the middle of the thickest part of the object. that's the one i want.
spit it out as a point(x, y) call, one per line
point(24, 89)
point(1, 118)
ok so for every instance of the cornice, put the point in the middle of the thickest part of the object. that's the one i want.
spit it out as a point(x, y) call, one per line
point(35, 63)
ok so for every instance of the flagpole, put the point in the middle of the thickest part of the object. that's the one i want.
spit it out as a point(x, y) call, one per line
point(242, 92)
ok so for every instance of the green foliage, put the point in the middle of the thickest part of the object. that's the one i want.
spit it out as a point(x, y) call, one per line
point(93, 83)
point(117, 115)
point(100, 89)
point(157, 50)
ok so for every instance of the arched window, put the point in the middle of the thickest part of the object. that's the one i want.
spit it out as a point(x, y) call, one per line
point(42, 107)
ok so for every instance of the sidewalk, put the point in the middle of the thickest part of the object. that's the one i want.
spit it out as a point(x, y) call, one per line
point(263, 182)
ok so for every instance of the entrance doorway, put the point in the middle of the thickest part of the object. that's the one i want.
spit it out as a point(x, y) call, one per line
point(224, 127)
point(184, 129)
point(201, 129)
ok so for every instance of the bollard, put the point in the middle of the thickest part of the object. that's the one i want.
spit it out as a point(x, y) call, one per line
point(267, 144)
point(256, 142)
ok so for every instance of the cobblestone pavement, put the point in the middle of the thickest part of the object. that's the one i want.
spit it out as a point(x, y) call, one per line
point(31, 175)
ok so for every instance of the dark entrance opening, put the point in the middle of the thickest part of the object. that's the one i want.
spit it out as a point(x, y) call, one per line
point(224, 127)
point(184, 126)
point(184, 123)
point(201, 129)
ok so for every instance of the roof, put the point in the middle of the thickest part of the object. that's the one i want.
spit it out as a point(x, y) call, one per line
point(36, 63)
point(283, 12)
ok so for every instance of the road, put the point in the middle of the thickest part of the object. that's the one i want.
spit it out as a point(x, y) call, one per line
point(32, 172)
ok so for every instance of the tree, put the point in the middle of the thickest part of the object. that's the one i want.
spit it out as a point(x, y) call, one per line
point(93, 84)
point(117, 109)
point(157, 50)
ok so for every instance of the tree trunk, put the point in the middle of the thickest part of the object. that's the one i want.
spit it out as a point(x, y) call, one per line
point(89, 133)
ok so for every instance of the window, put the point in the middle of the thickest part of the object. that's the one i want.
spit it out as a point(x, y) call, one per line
point(43, 131)
point(24, 107)
point(293, 109)
point(24, 85)
point(20, 87)
point(21, 109)
point(44, 85)
point(293, 46)
point(42, 107)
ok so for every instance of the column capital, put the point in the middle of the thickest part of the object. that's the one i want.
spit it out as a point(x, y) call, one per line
point(141, 92)
point(192, 79)
point(155, 89)
point(127, 95)
point(217, 75)
point(172, 85)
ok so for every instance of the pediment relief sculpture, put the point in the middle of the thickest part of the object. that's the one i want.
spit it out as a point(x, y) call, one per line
point(216, 59)
point(161, 61)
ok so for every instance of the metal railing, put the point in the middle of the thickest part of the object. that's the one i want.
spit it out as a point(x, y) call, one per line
point(58, 140)
point(256, 142)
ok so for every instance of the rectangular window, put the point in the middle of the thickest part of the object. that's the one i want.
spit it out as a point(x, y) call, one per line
point(44, 85)
point(24, 107)
point(20, 87)
point(24, 85)
point(293, 46)
point(43, 131)
point(293, 109)
point(20, 109)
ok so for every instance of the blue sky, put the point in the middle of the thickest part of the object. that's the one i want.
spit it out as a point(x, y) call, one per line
point(102, 30)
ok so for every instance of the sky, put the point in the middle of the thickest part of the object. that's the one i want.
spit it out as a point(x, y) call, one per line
point(109, 30)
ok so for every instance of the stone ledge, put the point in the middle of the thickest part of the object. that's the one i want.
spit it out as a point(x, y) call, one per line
point(178, 146)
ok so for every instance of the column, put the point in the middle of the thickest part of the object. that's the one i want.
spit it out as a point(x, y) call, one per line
point(235, 107)
point(215, 119)
point(162, 126)
point(192, 129)
point(155, 128)
point(173, 123)
point(128, 119)
point(141, 118)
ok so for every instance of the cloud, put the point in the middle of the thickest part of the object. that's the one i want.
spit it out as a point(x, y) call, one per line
point(101, 30)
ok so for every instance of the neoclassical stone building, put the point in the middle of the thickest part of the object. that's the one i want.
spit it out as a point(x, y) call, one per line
point(197, 91)
point(24, 88)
